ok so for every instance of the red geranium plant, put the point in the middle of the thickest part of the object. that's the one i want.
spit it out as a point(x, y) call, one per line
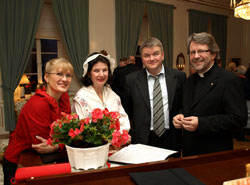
point(99, 128)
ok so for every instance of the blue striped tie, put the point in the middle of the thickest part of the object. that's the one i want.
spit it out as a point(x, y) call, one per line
point(158, 114)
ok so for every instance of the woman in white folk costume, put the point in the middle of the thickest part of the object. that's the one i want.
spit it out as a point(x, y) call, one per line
point(96, 91)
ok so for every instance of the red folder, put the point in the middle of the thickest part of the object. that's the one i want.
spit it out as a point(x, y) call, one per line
point(39, 171)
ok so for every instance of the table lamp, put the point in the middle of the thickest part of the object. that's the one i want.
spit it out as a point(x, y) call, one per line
point(24, 80)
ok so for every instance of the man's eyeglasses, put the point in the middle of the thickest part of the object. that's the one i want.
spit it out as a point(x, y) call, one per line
point(61, 75)
point(199, 52)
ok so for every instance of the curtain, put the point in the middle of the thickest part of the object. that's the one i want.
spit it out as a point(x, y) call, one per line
point(73, 16)
point(198, 21)
point(129, 15)
point(219, 31)
point(18, 25)
point(161, 26)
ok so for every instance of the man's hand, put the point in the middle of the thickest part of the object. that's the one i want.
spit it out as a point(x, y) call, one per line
point(177, 121)
point(190, 123)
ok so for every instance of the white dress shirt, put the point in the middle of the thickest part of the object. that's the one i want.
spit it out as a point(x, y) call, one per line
point(164, 92)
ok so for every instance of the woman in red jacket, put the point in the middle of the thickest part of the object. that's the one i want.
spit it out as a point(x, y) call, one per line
point(33, 125)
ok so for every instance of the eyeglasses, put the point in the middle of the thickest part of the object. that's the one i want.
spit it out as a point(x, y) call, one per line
point(61, 75)
point(199, 52)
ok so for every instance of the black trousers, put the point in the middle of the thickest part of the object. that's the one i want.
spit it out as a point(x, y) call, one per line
point(9, 170)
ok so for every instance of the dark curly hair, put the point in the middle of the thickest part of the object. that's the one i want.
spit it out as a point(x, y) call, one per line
point(86, 80)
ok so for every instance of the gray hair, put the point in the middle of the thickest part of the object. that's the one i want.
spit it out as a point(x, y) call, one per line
point(204, 38)
point(151, 42)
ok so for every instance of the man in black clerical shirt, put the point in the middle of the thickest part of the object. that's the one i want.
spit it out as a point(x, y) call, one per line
point(213, 101)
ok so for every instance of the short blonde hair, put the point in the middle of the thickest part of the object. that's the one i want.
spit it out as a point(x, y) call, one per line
point(58, 62)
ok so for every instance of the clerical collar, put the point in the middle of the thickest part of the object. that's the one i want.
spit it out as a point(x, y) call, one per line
point(202, 75)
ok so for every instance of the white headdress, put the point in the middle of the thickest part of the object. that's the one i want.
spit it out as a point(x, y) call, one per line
point(89, 59)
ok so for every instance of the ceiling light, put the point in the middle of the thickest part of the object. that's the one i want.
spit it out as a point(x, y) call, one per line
point(241, 9)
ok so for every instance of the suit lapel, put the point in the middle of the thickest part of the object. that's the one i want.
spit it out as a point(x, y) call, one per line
point(142, 85)
point(171, 86)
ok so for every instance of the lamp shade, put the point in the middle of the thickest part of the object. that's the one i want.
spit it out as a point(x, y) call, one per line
point(24, 80)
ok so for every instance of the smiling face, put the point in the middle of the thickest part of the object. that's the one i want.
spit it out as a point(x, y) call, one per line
point(152, 58)
point(58, 81)
point(99, 74)
point(58, 76)
point(201, 57)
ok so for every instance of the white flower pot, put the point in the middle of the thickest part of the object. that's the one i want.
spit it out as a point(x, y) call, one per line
point(88, 158)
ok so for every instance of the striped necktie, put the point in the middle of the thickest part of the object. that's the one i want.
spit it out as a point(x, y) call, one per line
point(158, 114)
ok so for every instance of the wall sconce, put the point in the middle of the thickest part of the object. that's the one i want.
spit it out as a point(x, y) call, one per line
point(24, 80)
point(180, 62)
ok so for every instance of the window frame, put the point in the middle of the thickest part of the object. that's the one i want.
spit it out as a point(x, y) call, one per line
point(39, 53)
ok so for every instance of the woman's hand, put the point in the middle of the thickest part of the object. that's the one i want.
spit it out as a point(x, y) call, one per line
point(43, 147)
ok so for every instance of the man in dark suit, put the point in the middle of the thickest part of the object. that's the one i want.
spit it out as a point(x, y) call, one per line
point(131, 67)
point(140, 96)
point(119, 75)
point(118, 78)
point(213, 101)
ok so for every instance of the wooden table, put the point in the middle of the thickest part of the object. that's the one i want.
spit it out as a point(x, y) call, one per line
point(211, 169)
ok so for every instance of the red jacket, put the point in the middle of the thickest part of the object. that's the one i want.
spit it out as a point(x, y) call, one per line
point(35, 119)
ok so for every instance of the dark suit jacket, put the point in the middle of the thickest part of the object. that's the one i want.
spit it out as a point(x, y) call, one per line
point(220, 106)
point(118, 80)
point(137, 104)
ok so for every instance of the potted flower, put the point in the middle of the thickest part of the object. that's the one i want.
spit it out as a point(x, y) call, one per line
point(90, 134)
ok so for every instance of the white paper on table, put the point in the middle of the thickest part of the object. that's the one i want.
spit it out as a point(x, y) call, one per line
point(139, 153)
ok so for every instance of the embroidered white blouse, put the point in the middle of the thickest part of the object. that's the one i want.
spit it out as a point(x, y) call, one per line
point(86, 99)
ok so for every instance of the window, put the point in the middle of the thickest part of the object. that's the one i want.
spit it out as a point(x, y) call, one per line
point(43, 50)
